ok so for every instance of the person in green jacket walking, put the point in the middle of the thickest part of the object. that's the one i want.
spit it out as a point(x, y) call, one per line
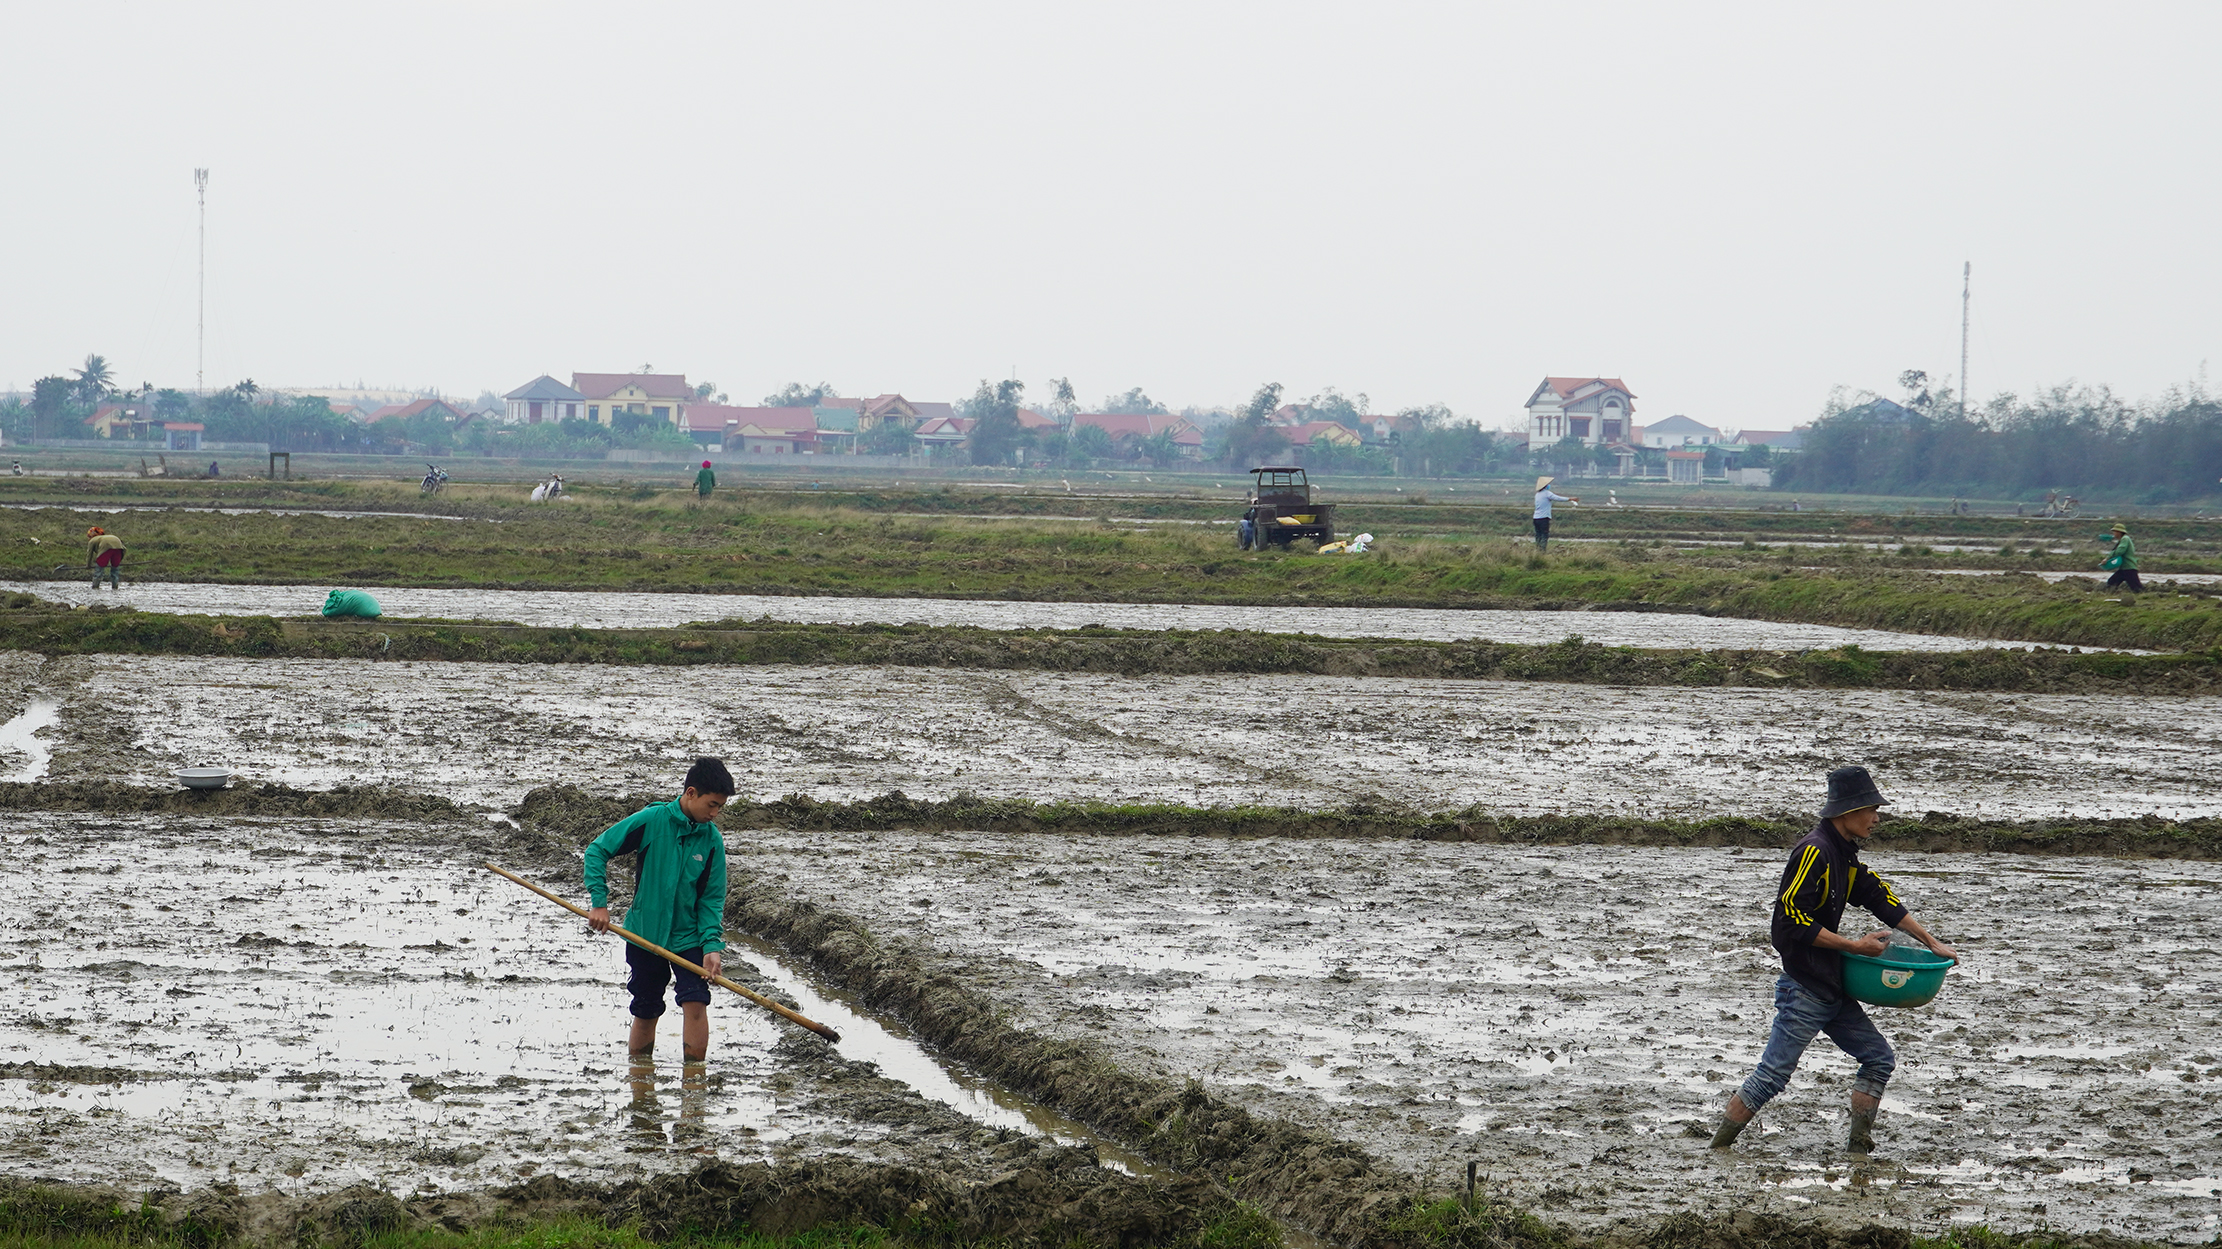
point(705, 481)
point(2123, 560)
point(678, 902)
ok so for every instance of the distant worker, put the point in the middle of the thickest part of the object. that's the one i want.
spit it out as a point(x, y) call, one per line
point(214, 469)
point(104, 551)
point(1823, 876)
point(2123, 560)
point(705, 481)
point(17, 469)
point(1544, 498)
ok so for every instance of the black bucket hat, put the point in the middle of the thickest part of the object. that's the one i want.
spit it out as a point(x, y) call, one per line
point(1851, 788)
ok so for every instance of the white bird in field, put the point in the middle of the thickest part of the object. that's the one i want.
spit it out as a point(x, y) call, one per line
point(1067, 485)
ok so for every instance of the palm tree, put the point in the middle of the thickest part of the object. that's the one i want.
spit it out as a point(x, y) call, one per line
point(94, 381)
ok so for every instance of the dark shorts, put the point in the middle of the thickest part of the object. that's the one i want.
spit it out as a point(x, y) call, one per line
point(651, 973)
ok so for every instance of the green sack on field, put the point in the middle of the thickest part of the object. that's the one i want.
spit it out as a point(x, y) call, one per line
point(352, 603)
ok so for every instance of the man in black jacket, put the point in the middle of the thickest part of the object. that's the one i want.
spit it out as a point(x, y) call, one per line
point(1823, 875)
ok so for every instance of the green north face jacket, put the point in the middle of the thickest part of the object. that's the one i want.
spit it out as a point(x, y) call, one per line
point(680, 901)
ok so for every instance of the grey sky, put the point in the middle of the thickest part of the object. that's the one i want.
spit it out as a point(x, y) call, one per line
point(1731, 207)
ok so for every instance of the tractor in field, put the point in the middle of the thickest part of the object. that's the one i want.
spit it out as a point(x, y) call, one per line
point(1281, 511)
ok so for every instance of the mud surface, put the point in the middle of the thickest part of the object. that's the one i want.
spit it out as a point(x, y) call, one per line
point(483, 734)
point(1569, 1017)
point(589, 609)
point(303, 1005)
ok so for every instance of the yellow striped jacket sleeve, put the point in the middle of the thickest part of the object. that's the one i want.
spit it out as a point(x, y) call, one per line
point(1807, 889)
point(1875, 894)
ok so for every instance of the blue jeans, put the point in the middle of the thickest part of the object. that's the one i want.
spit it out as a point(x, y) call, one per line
point(1798, 1015)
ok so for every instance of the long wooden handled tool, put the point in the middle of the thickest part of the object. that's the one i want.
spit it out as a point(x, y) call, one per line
point(657, 950)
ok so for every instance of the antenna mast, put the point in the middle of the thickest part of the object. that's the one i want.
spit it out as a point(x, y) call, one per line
point(200, 348)
point(1967, 284)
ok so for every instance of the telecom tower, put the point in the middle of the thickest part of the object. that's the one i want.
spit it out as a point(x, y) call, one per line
point(1967, 283)
point(200, 348)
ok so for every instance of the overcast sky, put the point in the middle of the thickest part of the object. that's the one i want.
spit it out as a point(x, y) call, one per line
point(1732, 207)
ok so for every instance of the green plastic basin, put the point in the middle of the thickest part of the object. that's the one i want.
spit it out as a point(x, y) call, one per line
point(1900, 976)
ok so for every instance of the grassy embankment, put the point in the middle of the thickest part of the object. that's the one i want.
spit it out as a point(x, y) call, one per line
point(40, 1217)
point(31, 625)
point(790, 543)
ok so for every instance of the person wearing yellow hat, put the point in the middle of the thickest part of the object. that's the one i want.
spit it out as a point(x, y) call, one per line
point(2123, 560)
point(1544, 498)
point(104, 552)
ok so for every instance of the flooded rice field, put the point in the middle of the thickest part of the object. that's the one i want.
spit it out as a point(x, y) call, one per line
point(624, 610)
point(113, 509)
point(485, 734)
point(1571, 1016)
point(300, 1005)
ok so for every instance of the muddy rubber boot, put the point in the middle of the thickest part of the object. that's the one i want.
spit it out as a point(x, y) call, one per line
point(1732, 1127)
point(1862, 1138)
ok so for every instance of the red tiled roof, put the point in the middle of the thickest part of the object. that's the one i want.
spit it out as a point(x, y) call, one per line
point(671, 386)
point(1132, 424)
point(1565, 387)
point(946, 427)
point(712, 418)
point(184, 427)
point(1030, 419)
point(1302, 435)
point(406, 410)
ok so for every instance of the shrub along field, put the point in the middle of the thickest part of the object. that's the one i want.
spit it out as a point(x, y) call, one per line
point(951, 544)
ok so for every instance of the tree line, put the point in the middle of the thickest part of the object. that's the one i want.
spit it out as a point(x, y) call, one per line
point(2078, 439)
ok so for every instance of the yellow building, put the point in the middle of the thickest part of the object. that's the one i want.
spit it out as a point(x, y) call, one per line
point(661, 395)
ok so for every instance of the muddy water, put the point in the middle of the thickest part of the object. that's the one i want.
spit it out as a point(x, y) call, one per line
point(229, 511)
point(598, 610)
point(485, 734)
point(292, 1006)
point(1568, 1016)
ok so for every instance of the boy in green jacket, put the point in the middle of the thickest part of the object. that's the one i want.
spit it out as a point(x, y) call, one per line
point(678, 903)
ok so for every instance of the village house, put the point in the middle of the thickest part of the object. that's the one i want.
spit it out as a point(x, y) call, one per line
point(880, 409)
point(403, 411)
point(1680, 431)
point(943, 434)
point(542, 399)
point(1599, 411)
point(752, 430)
point(1321, 434)
point(1136, 428)
point(121, 420)
point(664, 396)
point(1685, 468)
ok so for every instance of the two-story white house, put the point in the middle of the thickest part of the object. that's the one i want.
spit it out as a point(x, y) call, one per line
point(1601, 411)
point(542, 399)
